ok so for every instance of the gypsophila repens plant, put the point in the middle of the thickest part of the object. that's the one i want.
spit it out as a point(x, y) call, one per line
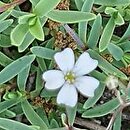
point(65, 65)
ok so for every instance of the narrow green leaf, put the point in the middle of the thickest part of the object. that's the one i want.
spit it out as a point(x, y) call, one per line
point(79, 4)
point(5, 24)
point(107, 34)
point(9, 103)
point(117, 123)
point(71, 114)
point(64, 128)
point(18, 34)
point(4, 15)
point(32, 116)
point(95, 32)
point(54, 124)
point(36, 30)
point(22, 78)
point(5, 40)
point(25, 18)
point(43, 52)
point(125, 35)
point(15, 67)
point(48, 94)
point(13, 125)
point(41, 63)
point(92, 100)
point(102, 110)
point(7, 114)
point(106, 66)
point(4, 60)
point(119, 19)
point(112, 2)
point(70, 16)
point(34, 2)
point(82, 26)
point(26, 42)
point(18, 13)
point(45, 6)
point(39, 84)
point(116, 51)
point(125, 46)
point(41, 112)
point(29, 38)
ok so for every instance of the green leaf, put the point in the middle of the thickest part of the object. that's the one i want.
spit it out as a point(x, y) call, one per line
point(119, 19)
point(5, 40)
point(18, 13)
point(110, 10)
point(102, 110)
point(5, 24)
point(25, 18)
point(117, 123)
point(32, 116)
point(95, 32)
point(36, 29)
point(7, 114)
point(13, 125)
point(112, 2)
point(4, 15)
point(43, 52)
point(34, 2)
point(29, 38)
point(79, 4)
point(71, 114)
point(54, 124)
point(41, 63)
point(70, 16)
point(4, 60)
point(41, 112)
point(107, 34)
point(106, 66)
point(116, 51)
point(45, 6)
point(125, 46)
point(92, 100)
point(15, 67)
point(39, 84)
point(125, 35)
point(18, 34)
point(26, 42)
point(82, 26)
point(22, 78)
point(9, 103)
point(45, 93)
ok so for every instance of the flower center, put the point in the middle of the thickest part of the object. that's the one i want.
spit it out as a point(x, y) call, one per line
point(70, 77)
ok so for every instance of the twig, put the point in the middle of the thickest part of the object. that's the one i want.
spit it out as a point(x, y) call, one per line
point(88, 124)
point(119, 110)
point(74, 36)
point(10, 5)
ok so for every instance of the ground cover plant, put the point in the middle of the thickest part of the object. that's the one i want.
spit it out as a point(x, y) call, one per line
point(64, 65)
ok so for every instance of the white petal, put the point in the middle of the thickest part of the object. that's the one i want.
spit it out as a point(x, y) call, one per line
point(67, 95)
point(54, 79)
point(65, 59)
point(86, 85)
point(84, 64)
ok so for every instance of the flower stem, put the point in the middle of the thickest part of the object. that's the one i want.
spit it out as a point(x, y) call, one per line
point(9, 5)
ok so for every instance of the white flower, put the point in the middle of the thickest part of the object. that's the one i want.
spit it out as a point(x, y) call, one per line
point(71, 77)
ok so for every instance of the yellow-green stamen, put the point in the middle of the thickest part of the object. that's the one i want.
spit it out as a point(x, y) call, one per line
point(70, 77)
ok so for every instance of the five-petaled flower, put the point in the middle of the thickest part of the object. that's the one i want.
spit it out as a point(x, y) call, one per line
point(71, 77)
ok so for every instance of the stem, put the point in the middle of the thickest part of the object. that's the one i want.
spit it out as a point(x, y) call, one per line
point(12, 4)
